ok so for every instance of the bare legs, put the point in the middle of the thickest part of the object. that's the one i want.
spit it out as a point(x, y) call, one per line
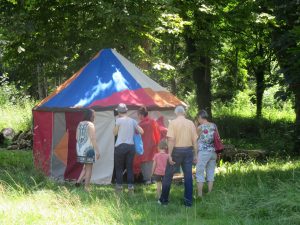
point(200, 187)
point(210, 185)
point(158, 189)
point(86, 174)
point(81, 176)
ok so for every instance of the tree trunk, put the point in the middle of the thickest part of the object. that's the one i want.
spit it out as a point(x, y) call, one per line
point(297, 124)
point(201, 75)
point(39, 82)
point(45, 86)
point(260, 88)
point(260, 80)
point(202, 79)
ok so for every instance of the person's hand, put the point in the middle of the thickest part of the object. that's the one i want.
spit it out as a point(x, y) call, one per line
point(195, 160)
point(171, 161)
point(97, 155)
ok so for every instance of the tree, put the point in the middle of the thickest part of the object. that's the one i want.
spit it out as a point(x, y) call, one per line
point(285, 42)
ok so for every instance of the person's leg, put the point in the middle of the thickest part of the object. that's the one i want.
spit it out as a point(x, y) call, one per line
point(158, 189)
point(129, 165)
point(119, 160)
point(200, 169)
point(187, 165)
point(167, 180)
point(88, 174)
point(146, 171)
point(210, 185)
point(210, 170)
point(200, 188)
point(81, 176)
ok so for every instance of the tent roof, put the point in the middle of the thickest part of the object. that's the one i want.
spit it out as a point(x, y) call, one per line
point(108, 79)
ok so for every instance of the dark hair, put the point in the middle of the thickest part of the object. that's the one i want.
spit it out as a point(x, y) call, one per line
point(163, 144)
point(87, 115)
point(143, 111)
point(203, 114)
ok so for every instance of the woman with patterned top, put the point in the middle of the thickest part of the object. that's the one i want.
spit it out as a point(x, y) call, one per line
point(86, 147)
point(206, 152)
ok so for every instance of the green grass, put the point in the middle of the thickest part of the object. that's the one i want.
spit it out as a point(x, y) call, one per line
point(18, 117)
point(244, 193)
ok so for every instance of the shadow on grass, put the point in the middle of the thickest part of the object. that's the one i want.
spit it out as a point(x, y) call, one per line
point(243, 194)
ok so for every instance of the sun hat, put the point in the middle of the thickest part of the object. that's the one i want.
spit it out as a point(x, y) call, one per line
point(122, 108)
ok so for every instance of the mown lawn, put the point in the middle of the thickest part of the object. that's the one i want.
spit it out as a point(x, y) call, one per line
point(245, 193)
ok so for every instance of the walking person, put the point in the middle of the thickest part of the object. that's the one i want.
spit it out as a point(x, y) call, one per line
point(160, 160)
point(124, 147)
point(86, 147)
point(182, 146)
point(206, 153)
point(151, 138)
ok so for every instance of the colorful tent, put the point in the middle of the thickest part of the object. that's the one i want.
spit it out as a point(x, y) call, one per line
point(102, 84)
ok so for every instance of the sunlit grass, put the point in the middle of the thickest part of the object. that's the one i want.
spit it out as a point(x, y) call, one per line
point(18, 117)
point(244, 193)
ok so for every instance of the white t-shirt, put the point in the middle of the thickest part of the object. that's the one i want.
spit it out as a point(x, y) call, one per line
point(127, 127)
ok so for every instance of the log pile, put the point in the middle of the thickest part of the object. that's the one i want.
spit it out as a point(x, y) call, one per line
point(21, 140)
point(230, 154)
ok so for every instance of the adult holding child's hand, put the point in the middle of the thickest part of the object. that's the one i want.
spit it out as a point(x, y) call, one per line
point(182, 146)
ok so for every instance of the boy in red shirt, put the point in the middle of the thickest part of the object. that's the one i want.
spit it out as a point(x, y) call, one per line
point(159, 165)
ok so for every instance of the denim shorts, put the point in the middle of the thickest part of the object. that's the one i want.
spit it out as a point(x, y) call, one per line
point(89, 157)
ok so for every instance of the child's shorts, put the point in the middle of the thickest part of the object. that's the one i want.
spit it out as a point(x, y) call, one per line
point(88, 157)
point(157, 178)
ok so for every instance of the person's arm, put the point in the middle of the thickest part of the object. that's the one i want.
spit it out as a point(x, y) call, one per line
point(92, 134)
point(140, 130)
point(153, 167)
point(137, 127)
point(116, 128)
point(194, 141)
point(171, 142)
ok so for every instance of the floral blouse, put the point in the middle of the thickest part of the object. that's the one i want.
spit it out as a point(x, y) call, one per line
point(206, 139)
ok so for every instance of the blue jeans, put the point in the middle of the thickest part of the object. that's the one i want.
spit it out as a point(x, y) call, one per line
point(183, 157)
point(124, 154)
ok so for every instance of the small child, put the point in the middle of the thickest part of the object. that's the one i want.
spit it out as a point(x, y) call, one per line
point(159, 165)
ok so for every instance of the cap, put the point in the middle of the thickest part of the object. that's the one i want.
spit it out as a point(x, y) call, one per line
point(122, 108)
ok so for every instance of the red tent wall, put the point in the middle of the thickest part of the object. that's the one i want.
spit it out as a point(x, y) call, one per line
point(42, 140)
point(73, 168)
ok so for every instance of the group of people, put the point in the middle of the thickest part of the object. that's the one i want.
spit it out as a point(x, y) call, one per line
point(186, 144)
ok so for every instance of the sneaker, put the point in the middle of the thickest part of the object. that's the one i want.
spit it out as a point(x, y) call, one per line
point(148, 182)
point(161, 203)
point(118, 188)
point(130, 189)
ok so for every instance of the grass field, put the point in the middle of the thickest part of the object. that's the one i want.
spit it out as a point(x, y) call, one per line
point(244, 193)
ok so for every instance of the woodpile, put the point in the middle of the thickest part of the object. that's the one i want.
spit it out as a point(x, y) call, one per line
point(21, 140)
point(230, 154)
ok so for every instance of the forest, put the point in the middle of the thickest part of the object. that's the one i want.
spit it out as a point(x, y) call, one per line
point(236, 59)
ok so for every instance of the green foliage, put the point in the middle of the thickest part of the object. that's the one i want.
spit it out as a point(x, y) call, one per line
point(238, 124)
point(244, 193)
point(15, 107)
